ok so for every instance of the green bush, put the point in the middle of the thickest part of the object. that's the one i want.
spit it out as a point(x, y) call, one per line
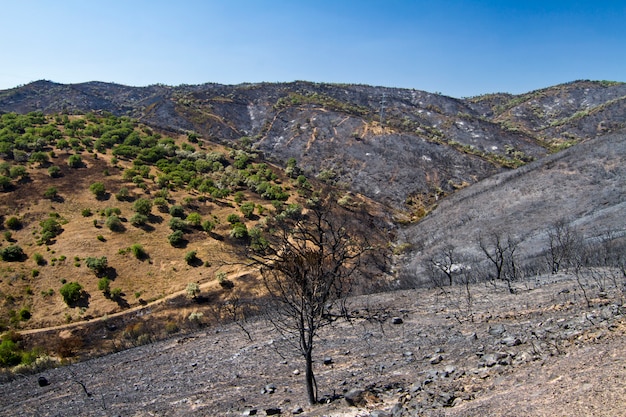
point(12, 253)
point(98, 189)
point(54, 171)
point(247, 209)
point(138, 220)
point(114, 224)
point(191, 257)
point(98, 265)
point(177, 211)
point(208, 226)
point(39, 259)
point(143, 206)
point(104, 285)
point(13, 223)
point(177, 223)
point(75, 161)
point(138, 251)
point(71, 292)
point(194, 219)
point(86, 212)
point(233, 218)
point(51, 193)
point(177, 238)
point(239, 231)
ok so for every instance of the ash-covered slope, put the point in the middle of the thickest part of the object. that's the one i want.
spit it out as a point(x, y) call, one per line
point(583, 186)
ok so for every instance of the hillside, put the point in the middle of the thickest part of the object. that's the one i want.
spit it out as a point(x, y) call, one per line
point(582, 187)
point(151, 199)
point(427, 145)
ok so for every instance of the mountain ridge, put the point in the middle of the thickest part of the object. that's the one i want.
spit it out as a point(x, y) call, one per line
point(470, 139)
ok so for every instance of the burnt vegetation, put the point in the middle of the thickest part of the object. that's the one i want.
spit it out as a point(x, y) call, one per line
point(212, 204)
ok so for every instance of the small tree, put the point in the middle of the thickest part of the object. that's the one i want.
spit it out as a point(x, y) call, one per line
point(98, 189)
point(500, 252)
point(75, 161)
point(143, 206)
point(71, 292)
point(192, 290)
point(307, 269)
point(98, 265)
point(12, 253)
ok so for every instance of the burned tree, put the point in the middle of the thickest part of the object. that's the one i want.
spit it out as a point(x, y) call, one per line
point(563, 244)
point(308, 267)
point(500, 252)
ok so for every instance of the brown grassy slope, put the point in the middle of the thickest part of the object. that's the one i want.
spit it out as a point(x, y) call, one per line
point(164, 272)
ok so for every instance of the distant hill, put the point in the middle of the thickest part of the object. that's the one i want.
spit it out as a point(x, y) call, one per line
point(427, 145)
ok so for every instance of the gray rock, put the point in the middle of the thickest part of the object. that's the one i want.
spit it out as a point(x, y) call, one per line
point(489, 360)
point(269, 389)
point(379, 413)
point(42, 381)
point(297, 410)
point(249, 412)
point(511, 341)
point(328, 360)
point(436, 359)
point(448, 370)
point(354, 397)
point(397, 320)
point(497, 330)
point(274, 411)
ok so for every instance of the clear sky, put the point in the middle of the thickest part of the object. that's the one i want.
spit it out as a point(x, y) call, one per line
point(459, 48)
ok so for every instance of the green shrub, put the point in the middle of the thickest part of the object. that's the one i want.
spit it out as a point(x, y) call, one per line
point(24, 314)
point(223, 280)
point(104, 285)
point(239, 231)
point(247, 209)
point(75, 161)
point(123, 194)
point(12, 253)
point(8, 236)
point(51, 193)
point(13, 223)
point(138, 220)
point(194, 219)
point(138, 251)
point(86, 212)
point(208, 226)
point(177, 238)
point(112, 210)
point(177, 223)
point(97, 265)
point(177, 211)
point(54, 171)
point(39, 259)
point(114, 224)
point(98, 189)
point(192, 290)
point(143, 206)
point(71, 292)
point(191, 257)
point(116, 293)
point(161, 204)
point(101, 238)
point(233, 218)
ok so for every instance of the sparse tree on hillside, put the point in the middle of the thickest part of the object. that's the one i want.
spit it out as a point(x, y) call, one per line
point(563, 243)
point(308, 267)
point(444, 265)
point(500, 252)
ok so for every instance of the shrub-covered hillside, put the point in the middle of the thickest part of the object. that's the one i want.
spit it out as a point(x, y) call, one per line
point(101, 213)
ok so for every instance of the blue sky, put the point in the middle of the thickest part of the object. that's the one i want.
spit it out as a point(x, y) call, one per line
point(458, 48)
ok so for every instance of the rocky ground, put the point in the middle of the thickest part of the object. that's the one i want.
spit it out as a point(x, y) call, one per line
point(540, 351)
